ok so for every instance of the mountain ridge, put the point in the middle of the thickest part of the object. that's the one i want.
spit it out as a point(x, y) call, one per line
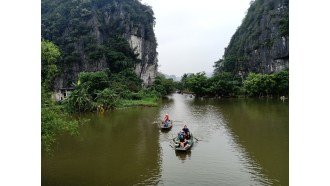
point(261, 43)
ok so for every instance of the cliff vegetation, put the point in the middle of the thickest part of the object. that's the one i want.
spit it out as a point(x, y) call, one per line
point(256, 61)
point(96, 35)
point(106, 51)
point(261, 43)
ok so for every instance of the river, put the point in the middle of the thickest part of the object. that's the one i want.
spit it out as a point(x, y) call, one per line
point(240, 142)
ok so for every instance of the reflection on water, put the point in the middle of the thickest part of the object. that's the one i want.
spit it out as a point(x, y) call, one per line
point(240, 142)
point(183, 155)
point(260, 129)
point(117, 148)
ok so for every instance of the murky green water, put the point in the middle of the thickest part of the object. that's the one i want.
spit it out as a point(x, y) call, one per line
point(241, 142)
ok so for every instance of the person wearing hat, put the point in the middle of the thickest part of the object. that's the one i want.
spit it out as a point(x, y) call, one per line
point(166, 119)
point(180, 133)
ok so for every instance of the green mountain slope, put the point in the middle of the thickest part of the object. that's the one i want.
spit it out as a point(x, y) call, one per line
point(94, 35)
point(261, 42)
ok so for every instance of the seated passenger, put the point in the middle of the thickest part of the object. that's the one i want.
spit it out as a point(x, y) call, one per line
point(182, 141)
point(187, 137)
point(180, 133)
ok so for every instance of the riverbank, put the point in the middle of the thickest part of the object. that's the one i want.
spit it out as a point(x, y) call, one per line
point(146, 102)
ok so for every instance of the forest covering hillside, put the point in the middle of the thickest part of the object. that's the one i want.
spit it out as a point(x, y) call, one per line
point(105, 52)
point(95, 35)
point(261, 43)
point(256, 61)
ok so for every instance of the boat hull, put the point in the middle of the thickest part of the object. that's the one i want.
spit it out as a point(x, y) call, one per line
point(169, 126)
point(187, 147)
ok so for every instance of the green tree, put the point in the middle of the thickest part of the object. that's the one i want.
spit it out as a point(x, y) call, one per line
point(266, 84)
point(104, 90)
point(252, 84)
point(163, 86)
point(224, 84)
point(106, 99)
point(198, 83)
point(281, 83)
point(50, 54)
point(260, 84)
point(93, 82)
point(54, 121)
point(184, 81)
point(80, 100)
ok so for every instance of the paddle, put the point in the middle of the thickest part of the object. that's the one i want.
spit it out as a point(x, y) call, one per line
point(177, 121)
point(197, 139)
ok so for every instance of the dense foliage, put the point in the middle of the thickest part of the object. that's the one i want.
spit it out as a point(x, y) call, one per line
point(86, 44)
point(265, 85)
point(198, 84)
point(163, 86)
point(93, 34)
point(50, 53)
point(54, 121)
point(257, 49)
point(225, 84)
point(258, 39)
point(103, 90)
point(94, 91)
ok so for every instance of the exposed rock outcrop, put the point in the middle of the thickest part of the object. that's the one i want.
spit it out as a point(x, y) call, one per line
point(261, 43)
point(91, 35)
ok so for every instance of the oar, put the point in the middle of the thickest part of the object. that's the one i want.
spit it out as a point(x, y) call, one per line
point(178, 121)
point(155, 122)
point(197, 139)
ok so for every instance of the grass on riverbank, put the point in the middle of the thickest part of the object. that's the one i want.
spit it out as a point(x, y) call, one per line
point(146, 102)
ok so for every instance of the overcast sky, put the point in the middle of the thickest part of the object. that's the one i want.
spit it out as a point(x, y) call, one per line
point(192, 34)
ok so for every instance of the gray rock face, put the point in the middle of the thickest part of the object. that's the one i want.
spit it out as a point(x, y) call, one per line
point(147, 69)
point(261, 43)
point(94, 23)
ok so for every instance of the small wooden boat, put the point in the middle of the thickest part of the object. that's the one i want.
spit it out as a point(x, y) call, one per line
point(187, 146)
point(167, 125)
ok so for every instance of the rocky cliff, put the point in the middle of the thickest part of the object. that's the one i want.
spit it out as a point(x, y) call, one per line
point(94, 35)
point(261, 43)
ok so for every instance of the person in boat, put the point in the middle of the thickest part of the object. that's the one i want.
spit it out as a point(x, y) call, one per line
point(180, 133)
point(185, 130)
point(188, 137)
point(166, 120)
point(182, 141)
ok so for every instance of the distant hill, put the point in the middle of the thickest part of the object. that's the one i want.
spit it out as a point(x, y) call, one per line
point(261, 42)
point(175, 78)
point(172, 77)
